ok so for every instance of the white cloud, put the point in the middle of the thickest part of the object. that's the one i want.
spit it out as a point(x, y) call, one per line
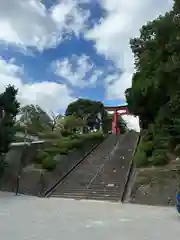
point(28, 23)
point(123, 21)
point(132, 122)
point(77, 70)
point(117, 84)
point(49, 95)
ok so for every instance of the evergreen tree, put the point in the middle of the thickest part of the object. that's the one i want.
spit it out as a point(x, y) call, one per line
point(9, 107)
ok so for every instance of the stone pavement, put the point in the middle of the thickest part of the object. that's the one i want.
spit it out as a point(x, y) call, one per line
point(31, 218)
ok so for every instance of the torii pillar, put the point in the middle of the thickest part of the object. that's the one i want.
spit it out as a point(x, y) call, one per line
point(123, 109)
point(115, 128)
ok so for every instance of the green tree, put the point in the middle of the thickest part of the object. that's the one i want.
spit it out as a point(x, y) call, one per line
point(72, 124)
point(90, 111)
point(157, 67)
point(155, 92)
point(122, 125)
point(9, 107)
point(34, 119)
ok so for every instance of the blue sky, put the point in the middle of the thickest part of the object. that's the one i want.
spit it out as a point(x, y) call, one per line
point(57, 51)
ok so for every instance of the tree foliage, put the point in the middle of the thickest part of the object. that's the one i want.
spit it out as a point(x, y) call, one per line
point(34, 119)
point(155, 92)
point(9, 107)
point(73, 123)
point(61, 133)
point(92, 112)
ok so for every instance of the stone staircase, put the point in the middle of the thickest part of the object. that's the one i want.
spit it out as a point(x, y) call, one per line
point(102, 175)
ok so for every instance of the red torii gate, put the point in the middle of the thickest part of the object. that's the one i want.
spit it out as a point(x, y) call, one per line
point(123, 110)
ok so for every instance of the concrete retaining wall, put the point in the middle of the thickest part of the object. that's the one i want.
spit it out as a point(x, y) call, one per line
point(35, 181)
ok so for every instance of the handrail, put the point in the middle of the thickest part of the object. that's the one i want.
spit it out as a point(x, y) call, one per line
point(49, 191)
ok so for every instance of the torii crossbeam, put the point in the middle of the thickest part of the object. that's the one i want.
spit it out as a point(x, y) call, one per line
point(118, 110)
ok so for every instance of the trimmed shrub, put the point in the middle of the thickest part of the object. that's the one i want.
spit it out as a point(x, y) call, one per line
point(147, 147)
point(48, 163)
point(65, 133)
point(93, 136)
point(177, 150)
point(141, 159)
point(159, 158)
point(63, 151)
point(41, 154)
point(80, 142)
point(76, 144)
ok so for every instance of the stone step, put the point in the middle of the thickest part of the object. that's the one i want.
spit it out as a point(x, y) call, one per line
point(89, 196)
point(102, 175)
point(87, 193)
point(93, 191)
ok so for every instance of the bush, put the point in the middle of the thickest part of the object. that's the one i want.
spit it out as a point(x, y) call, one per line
point(64, 145)
point(75, 136)
point(3, 166)
point(58, 147)
point(53, 150)
point(48, 163)
point(76, 144)
point(46, 159)
point(161, 140)
point(141, 159)
point(65, 133)
point(93, 136)
point(91, 139)
point(159, 158)
point(82, 141)
point(63, 151)
point(41, 155)
point(147, 147)
point(50, 135)
point(177, 150)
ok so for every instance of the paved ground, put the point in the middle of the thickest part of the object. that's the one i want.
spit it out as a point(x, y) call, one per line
point(31, 218)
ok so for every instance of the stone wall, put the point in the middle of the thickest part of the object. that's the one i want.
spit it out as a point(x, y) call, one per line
point(17, 158)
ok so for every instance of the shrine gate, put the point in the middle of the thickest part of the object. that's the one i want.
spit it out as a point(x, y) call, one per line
point(118, 110)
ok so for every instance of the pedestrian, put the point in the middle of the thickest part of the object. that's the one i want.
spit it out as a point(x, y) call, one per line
point(178, 201)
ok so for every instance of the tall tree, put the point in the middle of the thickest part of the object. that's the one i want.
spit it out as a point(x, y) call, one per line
point(155, 92)
point(89, 111)
point(35, 119)
point(72, 124)
point(157, 60)
point(9, 107)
